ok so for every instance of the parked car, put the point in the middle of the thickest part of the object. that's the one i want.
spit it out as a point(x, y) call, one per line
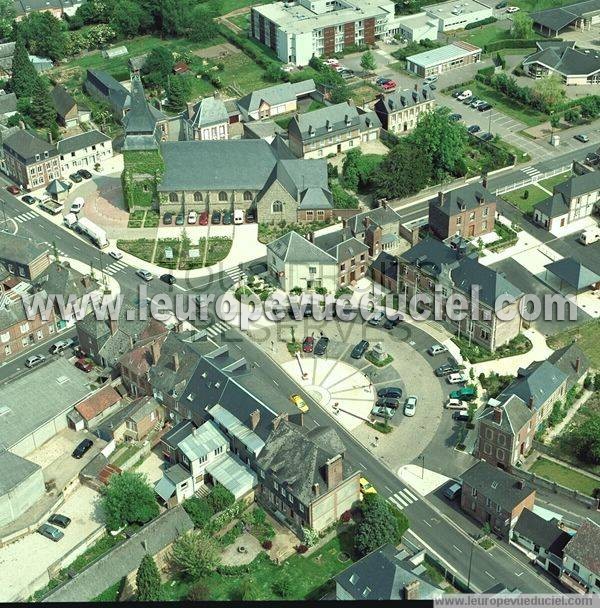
point(457, 94)
point(487, 136)
point(169, 279)
point(388, 86)
point(84, 366)
point(410, 406)
point(381, 81)
point(61, 345)
point(238, 216)
point(144, 274)
point(179, 220)
point(30, 200)
point(591, 158)
point(376, 318)
point(77, 205)
point(466, 94)
point(75, 177)
point(14, 189)
point(453, 491)
point(299, 403)
point(216, 217)
point(321, 346)
point(455, 404)
point(62, 521)
point(461, 415)
point(50, 532)
point(501, 5)
point(470, 100)
point(203, 221)
point(467, 393)
point(308, 344)
point(346, 74)
point(446, 369)
point(457, 378)
point(192, 217)
point(436, 349)
point(455, 117)
point(582, 137)
point(432, 87)
point(484, 107)
point(167, 219)
point(391, 323)
point(366, 487)
point(391, 392)
point(430, 79)
point(82, 448)
point(475, 105)
point(512, 9)
point(388, 402)
point(117, 255)
point(84, 173)
point(360, 349)
point(473, 129)
point(250, 217)
point(34, 360)
point(227, 218)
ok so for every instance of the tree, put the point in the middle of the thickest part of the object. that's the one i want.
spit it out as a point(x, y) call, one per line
point(585, 440)
point(198, 510)
point(220, 498)
point(128, 499)
point(24, 75)
point(378, 525)
point(339, 93)
point(147, 580)
point(44, 35)
point(547, 92)
point(316, 63)
point(274, 72)
point(178, 92)
point(7, 16)
point(127, 18)
point(367, 62)
point(158, 67)
point(198, 592)
point(202, 27)
point(42, 111)
point(442, 140)
point(195, 554)
point(403, 172)
point(358, 168)
point(522, 26)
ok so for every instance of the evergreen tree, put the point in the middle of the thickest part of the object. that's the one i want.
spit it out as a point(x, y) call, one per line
point(147, 580)
point(24, 75)
point(43, 112)
point(178, 92)
point(367, 62)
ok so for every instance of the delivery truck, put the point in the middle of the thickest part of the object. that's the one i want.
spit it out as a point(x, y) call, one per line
point(589, 236)
point(96, 234)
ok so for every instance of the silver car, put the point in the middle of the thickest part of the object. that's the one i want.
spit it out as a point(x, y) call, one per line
point(410, 406)
point(145, 274)
point(50, 532)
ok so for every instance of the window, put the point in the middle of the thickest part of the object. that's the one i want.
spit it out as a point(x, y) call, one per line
point(473, 492)
point(458, 221)
point(197, 196)
point(312, 270)
point(5, 337)
point(24, 328)
point(247, 195)
point(276, 485)
point(277, 207)
point(488, 502)
point(486, 211)
point(7, 349)
point(173, 197)
point(575, 567)
point(222, 195)
point(472, 215)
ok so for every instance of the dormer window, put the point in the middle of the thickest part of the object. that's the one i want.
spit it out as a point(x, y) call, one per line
point(347, 119)
point(311, 131)
point(37, 157)
point(328, 126)
point(46, 154)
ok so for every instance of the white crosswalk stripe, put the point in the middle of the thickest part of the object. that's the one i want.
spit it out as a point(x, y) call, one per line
point(217, 329)
point(403, 498)
point(115, 267)
point(24, 217)
point(235, 274)
point(531, 171)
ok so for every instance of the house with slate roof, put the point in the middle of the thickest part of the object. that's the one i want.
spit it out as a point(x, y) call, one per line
point(351, 254)
point(400, 110)
point(68, 112)
point(432, 263)
point(578, 16)
point(571, 200)
point(8, 105)
point(468, 211)
point(377, 228)
point(574, 66)
point(492, 496)
point(332, 130)
point(581, 560)
point(22, 257)
point(207, 120)
point(102, 86)
point(387, 574)
point(84, 151)
point(273, 101)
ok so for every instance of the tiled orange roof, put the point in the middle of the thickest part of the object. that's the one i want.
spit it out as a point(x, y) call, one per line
point(98, 402)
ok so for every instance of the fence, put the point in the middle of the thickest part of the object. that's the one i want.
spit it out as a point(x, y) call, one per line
point(532, 180)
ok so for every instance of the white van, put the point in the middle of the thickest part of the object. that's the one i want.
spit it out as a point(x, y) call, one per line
point(238, 216)
point(70, 220)
point(77, 205)
point(589, 236)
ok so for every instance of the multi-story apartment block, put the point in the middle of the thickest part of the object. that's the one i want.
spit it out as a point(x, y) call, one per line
point(331, 130)
point(301, 29)
point(468, 212)
point(399, 111)
point(431, 263)
point(30, 161)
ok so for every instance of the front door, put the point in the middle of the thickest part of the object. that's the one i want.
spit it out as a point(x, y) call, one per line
point(472, 230)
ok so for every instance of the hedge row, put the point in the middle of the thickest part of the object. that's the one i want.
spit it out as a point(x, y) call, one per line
point(515, 43)
point(486, 21)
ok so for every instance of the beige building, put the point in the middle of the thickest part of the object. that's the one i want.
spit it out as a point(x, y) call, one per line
point(273, 101)
point(400, 111)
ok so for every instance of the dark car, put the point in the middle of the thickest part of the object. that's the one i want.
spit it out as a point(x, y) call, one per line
point(591, 158)
point(321, 346)
point(82, 448)
point(50, 532)
point(391, 323)
point(359, 350)
point(390, 392)
point(381, 81)
point(216, 217)
point(473, 129)
point(484, 107)
point(470, 100)
point(460, 415)
point(62, 521)
point(501, 5)
point(487, 136)
point(84, 173)
point(388, 402)
point(227, 218)
point(308, 344)
point(75, 177)
point(167, 219)
point(13, 189)
point(169, 279)
point(30, 199)
point(446, 369)
point(250, 217)
point(455, 117)
point(456, 94)
point(84, 366)
point(179, 220)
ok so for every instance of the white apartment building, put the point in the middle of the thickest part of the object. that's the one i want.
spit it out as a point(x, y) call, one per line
point(83, 151)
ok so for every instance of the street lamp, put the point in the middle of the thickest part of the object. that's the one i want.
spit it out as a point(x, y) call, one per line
point(490, 122)
point(422, 457)
point(473, 543)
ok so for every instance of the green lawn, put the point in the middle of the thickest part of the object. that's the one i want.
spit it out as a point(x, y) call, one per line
point(564, 476)
point(242, 21)
point(140, 248)
point(218, 249)
point(226, 6)
point(160, 257)
point(525, 204)
point(554, 180)
point(588, 339)
point(539, 5)
point(484, 35)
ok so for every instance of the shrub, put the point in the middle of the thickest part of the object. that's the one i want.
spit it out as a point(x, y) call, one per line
point(310, 536)
point(198, 592)
point(220, 498)
point(267, 545)
point(597, 382)
point(283, 586)
point(346, 517)
point(301, 549)
point(259, 516)
point(587, 383)
point(199, 511)
point(480, 23)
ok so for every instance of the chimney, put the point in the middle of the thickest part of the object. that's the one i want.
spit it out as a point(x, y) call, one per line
point(440, 197)
point(254, 419)
point(520, 484)
point(328, 125)
point(176, 361)
point(531, 401)
point(334, 472)
point(384, 203)
point(344, 222)
point(424, 93)
point(484, 181)
point(577, 365)
point(155, 349)
point(411, 590)
point(310, 237)
point(316, 489)
point(190, 109)
point(114, 325)
point(498, 415)
point(366, 221)
point(86, 281)
point(278, 420)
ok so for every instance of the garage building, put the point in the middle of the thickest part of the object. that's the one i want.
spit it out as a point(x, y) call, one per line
point(445, 58)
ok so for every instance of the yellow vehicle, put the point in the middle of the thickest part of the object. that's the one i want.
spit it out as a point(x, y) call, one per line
point(366, 487)
point(299, 403)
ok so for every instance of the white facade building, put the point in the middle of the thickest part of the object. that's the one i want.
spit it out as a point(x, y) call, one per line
point(83, 151)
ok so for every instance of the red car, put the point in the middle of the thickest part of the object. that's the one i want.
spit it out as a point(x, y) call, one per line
point(13, 189)
point(388, 86)
point(84, 366)
point(203, 218)
point(308, 344)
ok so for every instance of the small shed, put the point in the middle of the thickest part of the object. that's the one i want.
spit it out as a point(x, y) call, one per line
point(58, 190)
point(573, 274)
point(115, 51)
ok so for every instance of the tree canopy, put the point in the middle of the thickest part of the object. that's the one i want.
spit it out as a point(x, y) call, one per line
point(522, 25)
point(7, 15)
point(147, 580)
point(43, 35)
point(585, 440)
point(195, 554)
point(24, 75)
point(42, 110)
point(367, 62)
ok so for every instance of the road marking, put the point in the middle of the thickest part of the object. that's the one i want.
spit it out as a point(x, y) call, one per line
point(400, 499)
point(275, 383)
point(389, 489)
point(427, 523)
point(490, 575)
point(407, 491)
point(179, 287)
point(457, 548)
point(316, 423)
point(396, 502)
point(520, 573)
point(362, 465)
point(75, 247)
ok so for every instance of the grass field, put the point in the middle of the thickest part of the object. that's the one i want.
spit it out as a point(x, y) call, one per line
point(588, 339)
point(484, 35)
point(242, 21)
point(564, 476)
point(554, 180)
point(525, 204)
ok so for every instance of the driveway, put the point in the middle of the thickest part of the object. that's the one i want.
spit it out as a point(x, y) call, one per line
point(23, 563)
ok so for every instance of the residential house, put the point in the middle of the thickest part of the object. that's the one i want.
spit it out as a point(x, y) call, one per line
point(7, 50)
point(207, 120)
point(68, 112)
point(294, 261)
point(58, 8)
point(98, 406)
point(443, 59)
point(581, 560)
point(572, 65)
point(494, 497)
point(8, 105)
point(571, 200)
point(30, 161)
point(384, 271)
point(170, 440)
point(578, 16)
point(331, 130)
point(279, 99)
point(262, 129)
point(124, 559)
point(378, 228)
point(146, 414)
point(104, 88)
point(431, 263)
point(543, 539)
point(303, 475)
point(351, 254)
point(84, 151)
point(386, 574)
point(399, 111)
point(135, 365)
point(22, 257)
point(468, 211)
